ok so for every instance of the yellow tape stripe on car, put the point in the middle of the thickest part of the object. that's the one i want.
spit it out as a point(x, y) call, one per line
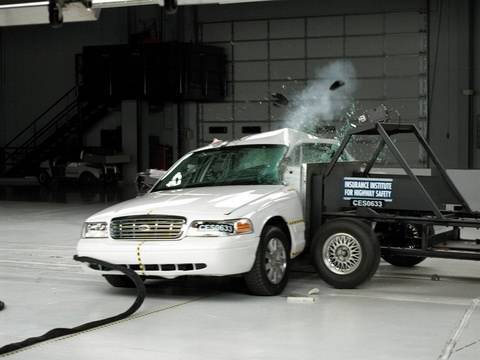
point(139, 258)
point(294, 222)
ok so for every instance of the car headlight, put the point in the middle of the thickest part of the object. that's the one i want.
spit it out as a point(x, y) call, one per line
point(220, 227)
point(95, 230)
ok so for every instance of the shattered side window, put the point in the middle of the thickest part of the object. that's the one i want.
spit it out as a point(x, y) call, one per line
point(321, 153)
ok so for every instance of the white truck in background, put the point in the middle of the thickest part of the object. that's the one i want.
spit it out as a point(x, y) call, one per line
point(87, 173)
point(230, 208)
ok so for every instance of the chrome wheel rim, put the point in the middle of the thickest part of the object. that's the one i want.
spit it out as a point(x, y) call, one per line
point(275, 261)
point(342, 253)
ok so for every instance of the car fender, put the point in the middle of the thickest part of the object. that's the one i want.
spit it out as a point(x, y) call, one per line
point(285, 204)
point(95, 172)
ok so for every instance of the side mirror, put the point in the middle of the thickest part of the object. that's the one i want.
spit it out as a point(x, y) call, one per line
point(146, 179)
point(157, 174)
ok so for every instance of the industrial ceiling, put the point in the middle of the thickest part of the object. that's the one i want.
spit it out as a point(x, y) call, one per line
point(28, 12)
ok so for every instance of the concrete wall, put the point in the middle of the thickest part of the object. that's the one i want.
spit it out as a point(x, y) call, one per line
point(475, 128)
point(295, 8)
point(467, 183)
point(111, 121)
point(449, 78)
point(454, 131)
point(270, 52)
point(129, 117)
point(37, 65)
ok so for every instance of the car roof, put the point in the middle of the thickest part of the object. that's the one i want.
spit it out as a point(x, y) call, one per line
point(285, 136)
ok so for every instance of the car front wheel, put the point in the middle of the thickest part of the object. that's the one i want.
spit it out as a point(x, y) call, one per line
point(269, 274)
point(44, 177)
point(87, 179)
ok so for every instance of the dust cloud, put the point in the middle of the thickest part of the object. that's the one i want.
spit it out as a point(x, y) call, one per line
point(317, 105)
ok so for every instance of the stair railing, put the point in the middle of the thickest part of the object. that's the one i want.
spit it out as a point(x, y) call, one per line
point(31, 136)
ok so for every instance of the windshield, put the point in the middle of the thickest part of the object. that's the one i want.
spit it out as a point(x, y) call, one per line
point(235, 165)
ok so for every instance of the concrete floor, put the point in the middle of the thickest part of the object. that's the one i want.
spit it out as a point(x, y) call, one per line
point(400, 314)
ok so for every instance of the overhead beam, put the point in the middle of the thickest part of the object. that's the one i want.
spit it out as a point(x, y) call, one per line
point(30, 12)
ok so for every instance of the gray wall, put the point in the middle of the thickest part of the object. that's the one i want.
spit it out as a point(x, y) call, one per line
point(37, 64)
point(296, 8)
point(454, 131)
point(449, 77)
point(475, 120)
point(386, 44)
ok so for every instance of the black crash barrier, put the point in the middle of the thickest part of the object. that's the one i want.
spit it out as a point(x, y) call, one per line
point(59, 332)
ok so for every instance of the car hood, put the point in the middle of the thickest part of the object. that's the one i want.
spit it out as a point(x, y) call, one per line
point(198, 202)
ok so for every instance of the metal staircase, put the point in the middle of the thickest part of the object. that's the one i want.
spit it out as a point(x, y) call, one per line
point(50, 133)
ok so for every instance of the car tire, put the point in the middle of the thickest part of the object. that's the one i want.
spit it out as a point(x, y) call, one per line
point(402, 260)
point(109, 179)
point(119, 281)
point(413, 231)
point(87, 179)
point(269, 274)
point(44, 177)
point(346, 253)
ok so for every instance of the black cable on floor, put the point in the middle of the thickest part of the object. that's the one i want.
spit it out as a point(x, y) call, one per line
point(59, 332)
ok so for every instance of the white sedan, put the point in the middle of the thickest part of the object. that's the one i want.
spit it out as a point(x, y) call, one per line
point(226, 209)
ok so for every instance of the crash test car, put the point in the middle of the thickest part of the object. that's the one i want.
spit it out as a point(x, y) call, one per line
point(230, 208)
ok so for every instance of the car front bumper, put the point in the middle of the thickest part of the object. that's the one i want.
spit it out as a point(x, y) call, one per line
point(207, 256)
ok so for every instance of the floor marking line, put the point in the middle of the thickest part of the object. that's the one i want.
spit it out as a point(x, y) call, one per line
point(452, 342)
point(427, 277)
point(468, 345)
point(440, 301)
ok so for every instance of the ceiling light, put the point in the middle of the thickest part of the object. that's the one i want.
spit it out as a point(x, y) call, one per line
point(23, 4)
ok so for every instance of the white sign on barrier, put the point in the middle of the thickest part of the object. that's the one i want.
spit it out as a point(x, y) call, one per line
point(372, 192)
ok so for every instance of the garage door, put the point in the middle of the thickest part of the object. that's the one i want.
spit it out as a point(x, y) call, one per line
point(388, 51)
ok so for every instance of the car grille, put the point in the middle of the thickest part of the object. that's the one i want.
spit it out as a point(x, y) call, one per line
point(147, 227)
